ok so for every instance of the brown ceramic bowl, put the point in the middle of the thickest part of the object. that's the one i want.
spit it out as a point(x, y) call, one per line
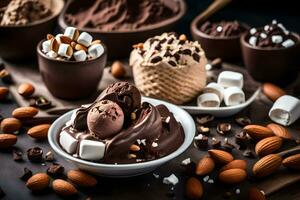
point(277, 65)
point(71, 80)
point(19, 42)
point(119, 43)
point(226, 48)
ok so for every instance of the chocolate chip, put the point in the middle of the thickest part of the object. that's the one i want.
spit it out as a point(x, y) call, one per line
point(171, 41)
point(203, 130)
point(242, 140)
point(196, 57)
point(17, 155)
point(158, 47)
point(49, 156)
point(163, 41)
point(156, 59)
point(43, 103)
point(55, 170)
point(243, 121)
point(227, 146)
point(201, 141)
point(26, 175)
point(35, 154)
point(190, 168)
point(177, 56)
point(186, 51)
point(204, 119)
point(2, 193)
point(223, 128)
point(6, 77)
point(248, 153)
point(215, 143)
point(171, 62)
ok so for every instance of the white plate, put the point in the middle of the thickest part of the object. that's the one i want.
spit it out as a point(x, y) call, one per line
point(125, 170)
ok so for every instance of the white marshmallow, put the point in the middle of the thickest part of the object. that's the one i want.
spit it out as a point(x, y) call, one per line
point(216, 89)
point(57, 37)
point(253, 31)
point(46, 46)
point(252, 40)
point(288, 43)
point(234, 96)
point(230, 79)
point(266, 27)
point(65, 50)
point(71, 32)
point(172, 179)
point(263, 35)
point(208, 100)
point(52, 54)
point(80, 55)
point(274, 21)
point(277, 39)
point(68, 142)
point(91, 150)
point(285, 110)
point(96, 50)
point(85, 39)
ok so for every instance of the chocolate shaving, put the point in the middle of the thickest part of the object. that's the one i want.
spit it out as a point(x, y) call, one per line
point(26, 175)
point(55, 170)
point(35, 154)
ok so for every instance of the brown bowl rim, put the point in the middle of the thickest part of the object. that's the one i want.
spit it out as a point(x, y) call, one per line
point(244, 43)
point(40, 53)
point(172, 20)
point(39, 22)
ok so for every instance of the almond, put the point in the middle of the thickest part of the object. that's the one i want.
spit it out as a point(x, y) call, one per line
point(10, 125)
point(258, 132)
point(272, 91)
point(26, 89)
point(38, 182)
point(194, 188)
point(220, 156)
point(118, 70)
point(292, 162)
point(63, 188)
point(25, 112)
point(134, 148)
point(39, 132)
point(205, 166)
point(255, 194)
point(268, 145)
point(233, 176)
point(81, 178)
point(280, 131)
point(7, 140)
point(3, 92)
point(235, 164)
point(66, 40)
point(267, 165)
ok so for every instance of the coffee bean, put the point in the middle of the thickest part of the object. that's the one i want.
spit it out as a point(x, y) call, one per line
point(204, 119)
point(223, 128)
point(156, 59)
point(35, 154)
point(203, 130)
point(26, 175)
point(55, 170)
point(243, 121)
point(43, 103)
point(17, 155)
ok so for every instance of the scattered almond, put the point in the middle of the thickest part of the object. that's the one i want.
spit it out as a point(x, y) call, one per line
point(38, 182)
point(118, 70)
point(39, 132)
point(272, 91)
point(268, 145)
point(258, 132)
point(255, 194)
point(81, 178)
point(183, 37)
point(220, 156)
point(205, 166)
point(10, 125)
point(63, 188)
point(280, 131)
point(96, 42)
point(26, 89)
point(267, 165)
point(134, 147)
point(194, 188)
point(235, 164)
point(292, 162)
point(7, 140)
point(79, 47)
point(25, 112)
point(3, 93)
point(233, 176)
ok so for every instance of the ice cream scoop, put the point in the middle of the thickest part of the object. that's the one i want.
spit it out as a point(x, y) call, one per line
point(105, 119)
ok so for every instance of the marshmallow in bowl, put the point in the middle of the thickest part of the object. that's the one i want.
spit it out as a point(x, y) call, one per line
point(65, 50)
point(208, 100)
point(233, 96)
point(46, 46)
point(85, 39)
point(215, 88)
point(95, 50)
point(72, 33)
point(285, 110)
point(80, 55)
point(91, 150)
point(68, 142)
point(230, 79)
point(52, 54)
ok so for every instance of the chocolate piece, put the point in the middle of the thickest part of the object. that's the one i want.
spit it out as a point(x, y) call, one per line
point(203, 130)
point(55, 170)
point(35, 154)
point(215, 143)
point(43, 103)
point(204, 119)
point(242, 140)
point(196, 57)
point(17, 155)
point(190, 168)
point(248, 153)
point(201, 141)
point(6, 77)
point(156, 59)
point(243, 121)
point(26, 175)
point(227, 146)
point(223, 128)
point(223, 28)
point(49, 156)
point(171, 62)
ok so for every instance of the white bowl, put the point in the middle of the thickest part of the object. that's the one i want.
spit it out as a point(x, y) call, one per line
point(125, 170)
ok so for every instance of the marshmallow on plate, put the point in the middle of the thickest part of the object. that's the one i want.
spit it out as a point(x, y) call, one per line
point(96, 50)
point(72, 33)
point(80, 55)
point(65, 50)
point(230, 79)
point(85, 39)
point(216, 89)
point(91, 150)
point(46, 46)
point(68, 143)
point(208, 100)
point(285, 110)
point(234, 96)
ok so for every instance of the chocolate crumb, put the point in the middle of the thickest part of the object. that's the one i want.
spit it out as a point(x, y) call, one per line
point(26, 175)
point(223, 128)
point(35, 154)
point(55, 170)
point(248, 154)
point(204, 119)
point(17, 155)
point(243, 121)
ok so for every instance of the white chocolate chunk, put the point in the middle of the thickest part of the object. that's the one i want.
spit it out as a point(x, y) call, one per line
point(52, 54)
point(234, 96)
point(186, 161)
point(288, 43)
point(80, 55)
point(285, 110)
point(91, 150)
point(46, 46)
point(277, 39)
point(96, 50)
point(68, 143)
point(85, 39)
point(252, 40)
point(215, 88)
point(230, 79)
point(263, 35)
point(208, 100)
point(65, 50)
point(72, 33)
point(172, 179)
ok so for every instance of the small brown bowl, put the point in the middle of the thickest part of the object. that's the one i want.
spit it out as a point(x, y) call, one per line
point(226, 48)
point(71, 80)
point(19, 42)
point(119, 43)
point(276, 65)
